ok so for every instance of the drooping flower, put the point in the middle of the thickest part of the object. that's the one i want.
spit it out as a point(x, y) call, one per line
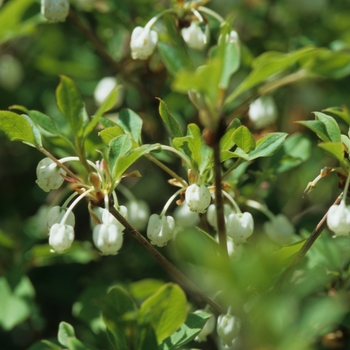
point(103, 89)
point(195, 36)
point(160, 229)
point(55, 10)
point(184, 217)
point(56, 214)
point(207, 329)
point(211, 214)
point(338, 219)
point(108, 238)
point(61, 237)
point(49, 175)
point(138, 213)
point(263, 111)
point(228, 328)
point(240, 226)
point(198, 198)
point(280, 230)
point(143, 42)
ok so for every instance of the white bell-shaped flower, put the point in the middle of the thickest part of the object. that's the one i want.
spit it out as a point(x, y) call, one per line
point(103, 89)
point(184, 217)
point(55, 10)
point(138, 213)
point(143, 42)
point(195, 36)
point(234, 250)
point(160, 229)
point(107, 218)
point(61, 237)
point(280, 230)
point(56, 214)
point(49, 175)
point(211, 214)
point(338, 219)
point(240, 226)
point(228, 328)
point(263, 111)
point(108, 238)
point(207, 329)
point(198, 198)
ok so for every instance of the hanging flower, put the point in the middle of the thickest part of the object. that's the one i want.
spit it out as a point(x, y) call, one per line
point(138, 213)
point(228, 328)
point(263, 111)
point(185, 217)
point(280, 230)
point(160, 229)
point(338, 219)
point(207, 329)
point(211, 214)
point(104, 88)
point(55, 10)
point(240, 226)
point(195, 36)
point(49, 175)
point(108, 238)
point(61, 237)
point(198, 198)
point(143, 42)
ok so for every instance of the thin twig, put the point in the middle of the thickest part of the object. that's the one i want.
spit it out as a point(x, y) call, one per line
point(165, 263)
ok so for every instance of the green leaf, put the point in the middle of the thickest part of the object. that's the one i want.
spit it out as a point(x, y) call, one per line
point(141, 290)
point(172, 124)
point(19, 128)
point(44, 121)
point(66, 336)
point(107, 105)
point(119, 314)
point(187, 332)
point(284, 255)
point(266, 65)
point(334, 149)
point(341, 112)
point(71, 104)
point(317, 127)
point(191, 145)
point(238, 153)
point(108, 134)
point(244, 139)
point(13, 24)
point(268, 145)
point(118, 147)
point(166, 310)
point(131, 123)
point(146, 338)
point(331, 126)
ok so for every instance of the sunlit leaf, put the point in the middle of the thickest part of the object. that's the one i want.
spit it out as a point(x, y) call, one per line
point(331, 125)
point(169, 120)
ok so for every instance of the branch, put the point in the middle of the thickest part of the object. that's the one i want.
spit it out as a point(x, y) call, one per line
point(165, 263)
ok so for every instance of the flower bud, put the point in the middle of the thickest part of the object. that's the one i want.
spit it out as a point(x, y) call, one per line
point(56, 214)
point(198, 198)
point(49, 175)
point(108, 238)
point(55, 10)
point(194, 36)
point(263, 112)
point(240, 226)
point(207, 329)
point(160, 229)
point(143, 42)
point(211, 214)
point(61, 237)
point(138, 213)
point(280, 230)
point(184, 217)
point(228, 328)
point(338, 219)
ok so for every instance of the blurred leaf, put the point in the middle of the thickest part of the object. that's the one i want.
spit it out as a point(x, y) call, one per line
point(19, 128)
point(169, 120)
point(12, 20)
point(70, 103)
point(244, 139)
point(187, 332)
point(268, 145)
point(119, 315)
point(66, 336)
point(341, 112)
point(6, 241)
point(331, 126)
point(45, 345)
point(141, 290)
point(334, 149)
point(166, 310)
point(317, 127)
point(266, 65)
point(108, 134)
point(107, 105)
point(284, 255)
point(131, 124)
